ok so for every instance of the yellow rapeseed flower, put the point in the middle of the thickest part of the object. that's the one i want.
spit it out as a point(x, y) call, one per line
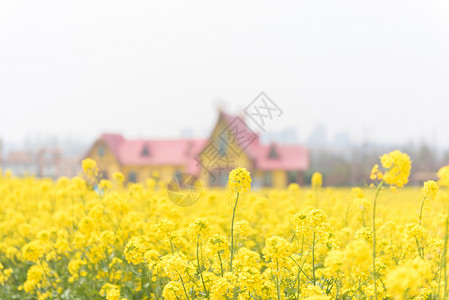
point(110, 291)
point(397, 166)
point(443, 175)
point(430, 189)
point(198, 230)
point(239, 180)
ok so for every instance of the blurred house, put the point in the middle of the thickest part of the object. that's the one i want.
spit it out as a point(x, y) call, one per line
point(231, 144)
point(45, 162)
point(20, 163)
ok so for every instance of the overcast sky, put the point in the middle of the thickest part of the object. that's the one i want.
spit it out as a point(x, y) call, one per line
point(378, 70)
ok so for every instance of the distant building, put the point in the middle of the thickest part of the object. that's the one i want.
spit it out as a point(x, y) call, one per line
point(21, 163)
point(231, 144)
point(45, 162)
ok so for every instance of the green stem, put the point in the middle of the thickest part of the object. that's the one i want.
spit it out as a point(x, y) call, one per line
point(171, 245)
point(358, 288)
point(48, 277)
point(300, 268)
point(221, 263)
point(338, 289)
point(420, 210)
point(313, 258)
point(143, 275)
point(374, 237)
point(419, 248)
point(293, 237)
point(232, 230)
point(200, 268)
point(153, 289)
point(184, 287)
point(299, 282)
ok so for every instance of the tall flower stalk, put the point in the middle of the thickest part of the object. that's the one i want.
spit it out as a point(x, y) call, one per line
point(197, 231)
point(232, 230)
point(397, 166)
point(429, 192)
point(239, 182)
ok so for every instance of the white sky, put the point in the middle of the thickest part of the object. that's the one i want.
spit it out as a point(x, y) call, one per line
point(153, 68)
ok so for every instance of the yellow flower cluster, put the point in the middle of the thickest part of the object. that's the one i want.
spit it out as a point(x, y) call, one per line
point(69, 239)
point(110, 291)
point(397, 166)
point(239, 180)
point(443, 175)
point(430, 189)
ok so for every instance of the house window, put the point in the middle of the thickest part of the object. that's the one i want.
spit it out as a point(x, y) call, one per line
point(132, 176)
point(218, 178)
point(101, 150)
point(178, 176)
point(268, 179)
point(145, 151)
point(222, 146)
point(273, 154)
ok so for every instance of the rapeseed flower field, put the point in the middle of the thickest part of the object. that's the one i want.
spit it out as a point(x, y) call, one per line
point(90, 238)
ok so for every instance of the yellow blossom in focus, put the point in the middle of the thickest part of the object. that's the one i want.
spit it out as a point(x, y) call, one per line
point(239, 180)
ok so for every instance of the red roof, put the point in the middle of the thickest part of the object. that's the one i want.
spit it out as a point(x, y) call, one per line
point(182, 152)
point(289, 157)
point(160, 152)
